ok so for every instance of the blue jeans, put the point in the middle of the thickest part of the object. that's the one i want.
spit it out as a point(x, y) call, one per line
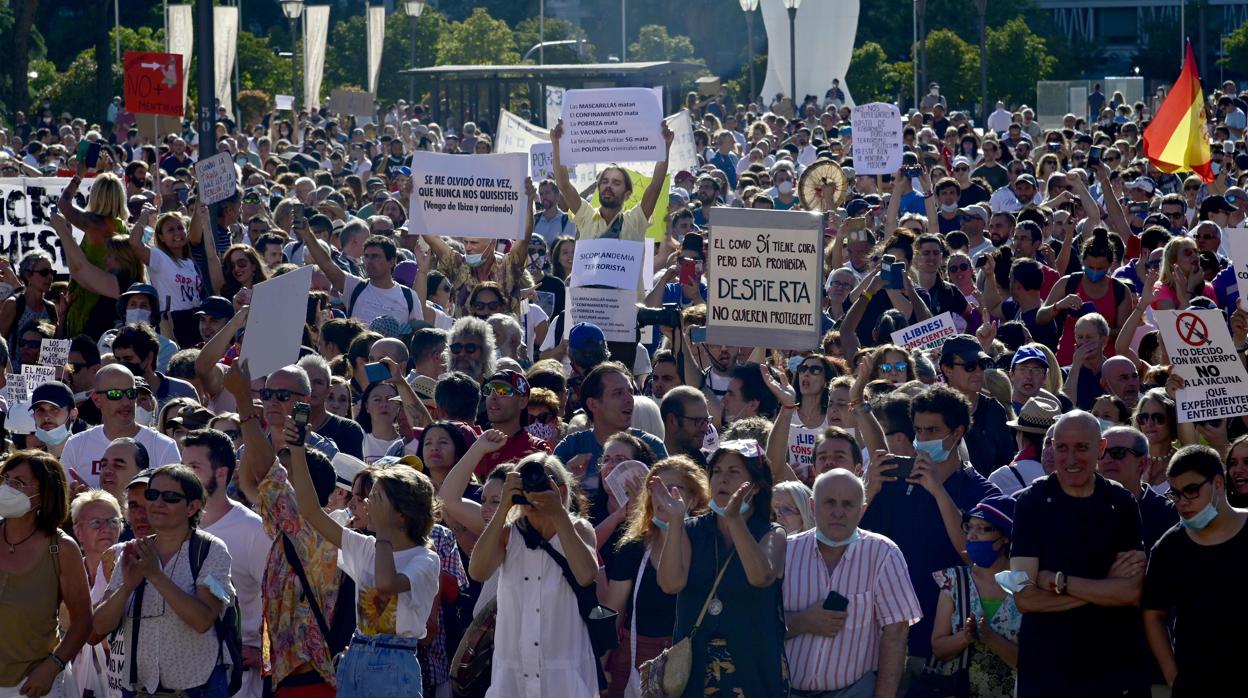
point(862, 688)
point(217, 686)
point(379, 665)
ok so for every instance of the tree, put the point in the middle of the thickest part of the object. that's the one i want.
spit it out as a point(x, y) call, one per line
point(1235, 48)
point(1017, 60)
point(478, 40)
point(74, 89)
point(954, 64)
point(654, 44)
point(19, 60)
point(527, 36)
point(347, 63)
point(870, 76)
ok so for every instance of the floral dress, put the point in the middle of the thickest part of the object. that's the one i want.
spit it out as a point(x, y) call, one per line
point(990, 676)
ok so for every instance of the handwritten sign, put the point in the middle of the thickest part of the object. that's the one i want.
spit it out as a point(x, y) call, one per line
point(608, 262)
point(36, 375)
point(469, 195)
point(765, 274)
point(54, 352)
point(1202, 353)
point(612, 125)
point(217, 177)
point(1237, 244)
point(927, 334)
point(15, 388)
point(153, 83)
point(877, 138)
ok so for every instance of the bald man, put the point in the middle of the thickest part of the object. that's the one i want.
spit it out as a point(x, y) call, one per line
point(837, 558)
point(114, 394)
point(1121, 378)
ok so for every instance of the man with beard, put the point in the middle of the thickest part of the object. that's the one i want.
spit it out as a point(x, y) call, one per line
point(470, 348)
point(1001, 228)
point(379, 294)
point(506, 397)
point(685, 422)
point(615, 186)
point(136, 348)
point(551, 222)
point(52, 406)
point(707, 196)
point(345, 433)
point(210, 454)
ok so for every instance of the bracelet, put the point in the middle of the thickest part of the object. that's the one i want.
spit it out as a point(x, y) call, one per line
point(1059, 583)
point(60, 663)
point(244, 420)
point(867, 295)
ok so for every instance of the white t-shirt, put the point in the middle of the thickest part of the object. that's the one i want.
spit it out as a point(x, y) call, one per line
point(1006, 479)
point(175, 279)
point(421, 566)
point(375, 448)
point(375, 302)
point(83, 451)
point(242, 531)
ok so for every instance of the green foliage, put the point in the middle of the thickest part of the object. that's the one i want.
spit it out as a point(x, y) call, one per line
point(870, 76)
point(527, 35)
point(1236, 48)
point(1017, 59)
point(259, 66)
point(655, 44)
point(348, 62)
point(739, 85)
point(73, 90)
point(954, 64)
point(478, 40)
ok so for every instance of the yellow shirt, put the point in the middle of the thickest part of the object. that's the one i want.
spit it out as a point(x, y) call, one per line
point(628, 225)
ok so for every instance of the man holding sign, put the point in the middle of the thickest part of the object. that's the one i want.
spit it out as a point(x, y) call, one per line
point(615, 186)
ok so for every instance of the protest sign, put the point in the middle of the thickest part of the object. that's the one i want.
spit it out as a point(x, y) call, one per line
point(613, 310)
point(153, 83)
point(54, 352)
point(35, 375)
point(554, 104)
point(658, 220)
point(1236, 240)
point(765, 279)
point(351, 102)
point(612, 125)
point(608, 262)
point(469, 195)
point(285, 102)
point(15, 388)
point(217, 177)
point(515, 135)
point(877, 138)
point(1215, 384)
point(629, 475)
point(26, 206)
point(927, 334)
point(801, 448)
point(684, 153)
point(541, 162)
point(273, 333)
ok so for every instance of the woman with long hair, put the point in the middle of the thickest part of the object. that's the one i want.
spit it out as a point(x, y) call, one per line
point(1182, 278)
point(174, 272)
point(338, 400)
point(1237, 472)
point(40, 569)
point(379, 412)
point(561, 255)
point(892, 363)
point(619, 448)
point(791, 506)
point(241, 267)
point(1156, 415)
point(647, 612)
point(808, 414)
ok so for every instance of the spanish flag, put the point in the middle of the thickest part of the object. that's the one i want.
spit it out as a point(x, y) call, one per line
point(1177, 139)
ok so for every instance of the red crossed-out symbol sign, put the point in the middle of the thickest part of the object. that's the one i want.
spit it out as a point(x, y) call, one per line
point(1192, 329)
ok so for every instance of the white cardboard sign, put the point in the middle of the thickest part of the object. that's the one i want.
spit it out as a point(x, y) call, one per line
point(613, 310)
point(877, 138)
point(927, 334)
point(469, 195)
point(285, 102)
point(1237, 243)
point(274, 331)
point(217, 177)
point(54, 352)
point(612, 125)
point(36, 376)
point(608, 262)
point(1202, 353)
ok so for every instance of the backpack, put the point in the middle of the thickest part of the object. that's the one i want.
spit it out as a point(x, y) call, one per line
point(407, 295)
point(229, 627)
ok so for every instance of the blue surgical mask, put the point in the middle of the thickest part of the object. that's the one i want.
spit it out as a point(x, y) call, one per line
point(982, 552)
point(721, 511)
point(853, 537)
point(1094, 275)
point(935, 448)
point(662, 525)
point(53, 437)
point(474, 260)
point(1105, 424)
point(1201, 519)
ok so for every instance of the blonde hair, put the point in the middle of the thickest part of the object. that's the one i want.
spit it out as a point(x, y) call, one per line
point(697, 492)
point(89, 497)
point(108, 197)
point(1170, 256)
point(801, 496)
point(128, 263)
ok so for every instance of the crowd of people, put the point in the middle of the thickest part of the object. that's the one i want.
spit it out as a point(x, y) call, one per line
point(460, 490)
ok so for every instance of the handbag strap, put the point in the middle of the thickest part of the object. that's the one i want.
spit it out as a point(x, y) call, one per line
point(632, 621)
point(292, 558)
point(964, 604)
point(714, 587)
point(586, 596)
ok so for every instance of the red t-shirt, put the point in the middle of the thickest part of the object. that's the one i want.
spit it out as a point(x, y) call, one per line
point(521, 444)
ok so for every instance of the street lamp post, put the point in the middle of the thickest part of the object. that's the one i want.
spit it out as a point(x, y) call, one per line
point(981, 6)
point(293, 9)
point(748, 7)
point(791, 6)
point(414, 8)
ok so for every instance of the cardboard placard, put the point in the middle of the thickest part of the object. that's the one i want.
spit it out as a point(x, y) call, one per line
point(26, 206)
point(613, 310)
point(1202, 353)
point(765, 279)
point(469, 195)
point(608, 262)
point(36, 375)
point(54, 352)
point(1236, 240)
point(273, 332)
point(877, 138)
point(927, 334)
point(612, 125)
point(285, 102)
point(217, 178)
point(515, 135)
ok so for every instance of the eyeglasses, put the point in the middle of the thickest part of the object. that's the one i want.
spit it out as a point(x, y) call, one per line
point(499, 389)
point(168, 496)
point(281, 395)
point(1208, 236)
point(973, 366)
point(840, 285)
point(542, 417)
point(492, 306)
point(16, 484)
point(700, 422)
point(1154, 417)
point(1189, 493)
point(1031, 370)
point(955, 268)
point(813, 369)
point(29, 343)
point(112, 522)
point(899, 367)
point(787, 511)
point(469, 348)
point(1120, 452)
point(115, 394)
point(43, 272)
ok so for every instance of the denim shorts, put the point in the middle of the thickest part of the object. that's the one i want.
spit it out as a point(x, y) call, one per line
point(217, 686)
point(379, 665)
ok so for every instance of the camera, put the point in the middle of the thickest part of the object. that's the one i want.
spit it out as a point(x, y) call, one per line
point(533, 478)
point(667, 316)
point(912, 171)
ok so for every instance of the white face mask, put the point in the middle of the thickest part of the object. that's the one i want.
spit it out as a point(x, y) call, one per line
point(142, 417)
point(53, 437)
point(785, 187)
point(137, 315)
point(13, 503)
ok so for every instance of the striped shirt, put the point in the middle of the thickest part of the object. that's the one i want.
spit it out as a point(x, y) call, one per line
point(872, 575)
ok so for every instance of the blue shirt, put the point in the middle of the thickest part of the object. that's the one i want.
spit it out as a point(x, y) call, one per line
point(585, 442)
point(727, 163)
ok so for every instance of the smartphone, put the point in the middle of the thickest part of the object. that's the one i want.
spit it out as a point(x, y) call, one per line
point(835, 602)
point(690, 272)
point(904, 466)
point(896, 276)
point(1087, 307)
point(92, 156)
point(183, 194)
point(300, 416)
point(376, 372)
point(1094, 154)
point(912, 171)
point(697, 334)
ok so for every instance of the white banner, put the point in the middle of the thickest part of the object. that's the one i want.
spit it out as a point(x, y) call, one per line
point(515, 135)
point(26, 205)
point(217, 177)
point(1236, 240)
point(824, 39)
point(225, 36)
point(877, 138)
point(927, 334)
point(1215, 384)
point(611, 125)
point(608, 262)
point(765, 279)
point(376, 19)
point(315, 32)
point(181, 39)
point(613, 310)
point(554, 104)
point(273, 332)
point(469, 195)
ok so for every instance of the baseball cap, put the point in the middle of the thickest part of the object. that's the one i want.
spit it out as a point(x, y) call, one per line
point(508, 377)
point(53, 392)
point(998, 510)
point(141, 478)
point(961, 160)
point(216, 307)
point(1028, 179)
point(1143, 184)
point(346, 467)
point(1217, 204)
point(585, 335)
point(965, 347)
point(977, 211)
point(857, 207)
point(1029, 354)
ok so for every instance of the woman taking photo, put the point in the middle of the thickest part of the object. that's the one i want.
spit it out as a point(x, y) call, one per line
point(647, 612)
point(177, 609)
point(738, 644)
point(987, 627)
point(542, 644)
point(40, 568)
point(396, 574)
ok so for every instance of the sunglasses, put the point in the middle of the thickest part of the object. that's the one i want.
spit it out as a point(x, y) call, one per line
point(30, 343)
point(955, 268)
point(43, 272)
point(899, 367)
point(1120, 452)
point(1154, 417)
point(963, 168)
point(813, 369)
point(280, 395)
point(168, 496)
point(469, 348)
point(115, 394)
point(491, 306)
point(251, 198)
point(542, 417)
point(972, 366)
point(499, 389)
point(1189, 493)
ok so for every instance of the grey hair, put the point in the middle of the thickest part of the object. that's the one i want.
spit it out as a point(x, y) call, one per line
point(1096, 319)
point(500, 321)
point(297, 371)
point(1139, 442)
point(801, 496)
point(89, 496)
point(469, 325)
point(27, 264)
point(314, 360)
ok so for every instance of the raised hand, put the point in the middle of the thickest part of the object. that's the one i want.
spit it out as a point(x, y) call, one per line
point(669, 506)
